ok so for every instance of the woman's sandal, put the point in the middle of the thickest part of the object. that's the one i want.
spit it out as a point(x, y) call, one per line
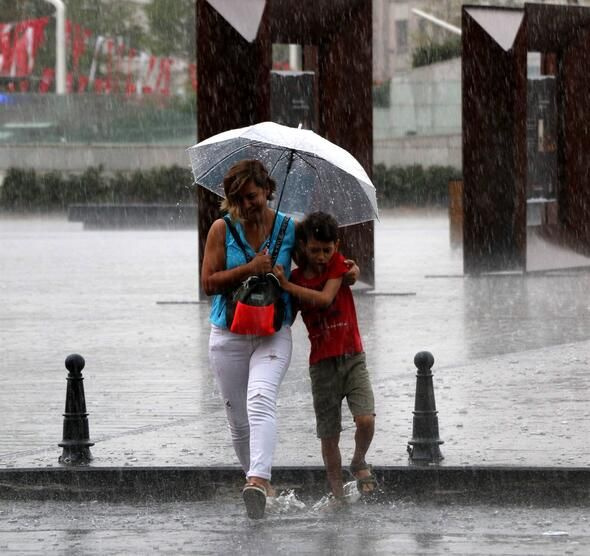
point(367, 486)
point(254, 496)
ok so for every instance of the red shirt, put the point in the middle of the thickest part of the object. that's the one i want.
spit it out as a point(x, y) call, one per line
point(334, 330)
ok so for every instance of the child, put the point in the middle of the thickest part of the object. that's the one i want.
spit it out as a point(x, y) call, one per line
point(337, 361)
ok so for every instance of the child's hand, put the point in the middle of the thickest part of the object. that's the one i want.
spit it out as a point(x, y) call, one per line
point(353, 273)
point(279, 272)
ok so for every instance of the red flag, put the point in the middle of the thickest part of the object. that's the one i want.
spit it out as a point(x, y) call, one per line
point(108, 81)
point(46, 79)
point(99, 85)
point(78, 45)
point(148, 82)
point(22, 57)
point(163, 80)
point(130, 87)
point(21, 45)
point(6, 48)
point(82, 83)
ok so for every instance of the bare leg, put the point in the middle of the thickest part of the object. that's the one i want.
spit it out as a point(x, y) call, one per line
point(333, 463)
point(365, 428)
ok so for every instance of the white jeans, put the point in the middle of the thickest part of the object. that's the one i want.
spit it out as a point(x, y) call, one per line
point(249, 372)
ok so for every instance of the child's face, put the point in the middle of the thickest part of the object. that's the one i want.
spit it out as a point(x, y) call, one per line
point(318, 253)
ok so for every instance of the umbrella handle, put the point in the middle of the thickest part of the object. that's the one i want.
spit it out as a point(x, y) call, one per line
point(289, 164)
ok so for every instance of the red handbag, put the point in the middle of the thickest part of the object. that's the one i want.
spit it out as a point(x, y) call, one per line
point(256, 306)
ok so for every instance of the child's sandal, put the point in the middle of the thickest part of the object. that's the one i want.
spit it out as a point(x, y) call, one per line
point(367, 486)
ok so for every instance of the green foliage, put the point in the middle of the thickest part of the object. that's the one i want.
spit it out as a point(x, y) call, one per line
point(19, 10)
point(90, 184)
point(51, 188)
point(114, 19)
point(20, 189)
point(172, 28)
point(412, 185)
point(431, 53)
point(25, 190)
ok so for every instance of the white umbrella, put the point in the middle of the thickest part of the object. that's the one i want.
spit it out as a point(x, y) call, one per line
point(311, 172)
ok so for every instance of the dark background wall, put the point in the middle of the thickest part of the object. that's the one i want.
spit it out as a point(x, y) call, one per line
point(494, 151)
point(234, 86)
point(574, 195)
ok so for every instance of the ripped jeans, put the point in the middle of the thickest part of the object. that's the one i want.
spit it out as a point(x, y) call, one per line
point(249, 372)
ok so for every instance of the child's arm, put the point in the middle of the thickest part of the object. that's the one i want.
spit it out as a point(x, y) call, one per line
point(320, 299)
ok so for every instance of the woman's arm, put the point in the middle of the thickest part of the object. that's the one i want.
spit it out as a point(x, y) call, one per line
point(214, 276)
point(320, 299)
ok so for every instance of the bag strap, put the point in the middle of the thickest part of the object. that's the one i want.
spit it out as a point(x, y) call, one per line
point(237, 237)
point(278, 241)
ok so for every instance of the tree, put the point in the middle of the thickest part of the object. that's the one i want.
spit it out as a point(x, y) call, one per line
point(107, 18)
point(19, 10)
point(172, 26)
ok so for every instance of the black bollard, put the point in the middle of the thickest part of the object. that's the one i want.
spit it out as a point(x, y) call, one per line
point(76, 442)
point(424, 445)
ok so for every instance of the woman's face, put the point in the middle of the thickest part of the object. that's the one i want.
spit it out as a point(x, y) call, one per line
point(252, 200)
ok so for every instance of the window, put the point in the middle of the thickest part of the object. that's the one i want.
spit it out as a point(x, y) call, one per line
point(401, 35)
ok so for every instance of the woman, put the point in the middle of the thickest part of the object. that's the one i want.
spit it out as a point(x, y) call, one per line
point(249, 369)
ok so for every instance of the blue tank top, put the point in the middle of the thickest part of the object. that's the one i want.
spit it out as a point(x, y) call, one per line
point(234, 256)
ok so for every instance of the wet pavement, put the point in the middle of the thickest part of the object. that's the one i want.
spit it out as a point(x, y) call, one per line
point(511, 380)
point(220, 527)
point(512, 351)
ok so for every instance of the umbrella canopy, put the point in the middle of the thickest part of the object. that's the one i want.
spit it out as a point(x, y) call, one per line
point(311, 172)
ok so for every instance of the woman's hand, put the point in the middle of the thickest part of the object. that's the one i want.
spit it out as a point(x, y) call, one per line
point(261, 263)
point(214, 276)
point(353, 273)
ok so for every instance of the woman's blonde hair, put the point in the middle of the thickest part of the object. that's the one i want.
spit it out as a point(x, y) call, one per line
point(239, 175)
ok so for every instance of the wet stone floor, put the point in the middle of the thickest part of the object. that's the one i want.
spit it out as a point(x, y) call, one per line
point(220, 526)
point(512, 356)
point(513, 350)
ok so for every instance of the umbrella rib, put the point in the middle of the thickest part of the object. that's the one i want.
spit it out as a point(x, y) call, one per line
point(311, 166)
point(315, 169)
point(277, 161)
point(217, 163)
point(269, 146)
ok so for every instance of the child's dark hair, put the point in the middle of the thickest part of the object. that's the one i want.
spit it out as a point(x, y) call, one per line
point(320, 226)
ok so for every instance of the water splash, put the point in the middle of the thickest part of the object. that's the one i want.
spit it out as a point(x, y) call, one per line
point(285, 502)
point(351, 495)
